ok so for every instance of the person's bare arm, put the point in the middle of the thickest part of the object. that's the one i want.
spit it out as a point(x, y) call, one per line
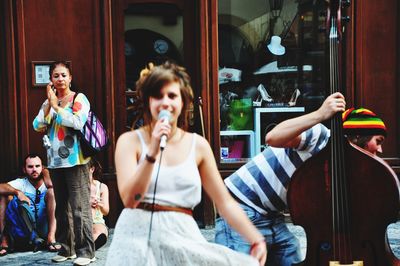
point(6, 189)
point(103, 203)
point(131, 186)
point(47, 179)
point(287, 133)
point(226, 205)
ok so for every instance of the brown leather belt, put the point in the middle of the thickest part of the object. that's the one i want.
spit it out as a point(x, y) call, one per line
point(161, 208)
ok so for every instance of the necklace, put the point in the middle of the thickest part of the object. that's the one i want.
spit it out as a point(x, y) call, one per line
point(63, 98)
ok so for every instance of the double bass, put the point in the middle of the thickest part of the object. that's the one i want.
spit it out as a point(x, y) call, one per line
point(344, 197)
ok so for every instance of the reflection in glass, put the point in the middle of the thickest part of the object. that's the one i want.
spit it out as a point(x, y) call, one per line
point(279, 52)
point(153, 33)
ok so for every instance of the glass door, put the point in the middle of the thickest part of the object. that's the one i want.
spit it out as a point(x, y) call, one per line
point(153, 34)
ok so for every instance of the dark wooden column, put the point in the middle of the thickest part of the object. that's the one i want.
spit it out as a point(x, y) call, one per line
point(375, 69)
point(9, 133)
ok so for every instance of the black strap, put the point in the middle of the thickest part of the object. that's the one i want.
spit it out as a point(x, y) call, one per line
point(24, 213)
point(73, 99)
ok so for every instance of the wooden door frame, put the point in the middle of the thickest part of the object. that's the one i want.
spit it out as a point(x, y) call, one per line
point(377, 38)
point(8, 86)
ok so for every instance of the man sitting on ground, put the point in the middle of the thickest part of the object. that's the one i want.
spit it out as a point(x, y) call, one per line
point(27, 210)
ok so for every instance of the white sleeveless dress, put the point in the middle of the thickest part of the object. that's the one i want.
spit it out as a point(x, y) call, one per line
point(175, 237)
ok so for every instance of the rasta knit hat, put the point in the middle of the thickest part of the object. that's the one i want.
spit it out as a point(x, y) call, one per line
point(362, 122)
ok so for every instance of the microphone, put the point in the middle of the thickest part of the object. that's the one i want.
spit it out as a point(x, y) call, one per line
point(166, 116)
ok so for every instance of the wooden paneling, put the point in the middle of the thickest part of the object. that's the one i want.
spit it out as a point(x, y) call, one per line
point(49, 31)
point(376, 55)
point(119, 65)
point(109, 83)
point(78, 31)
point(9, 156)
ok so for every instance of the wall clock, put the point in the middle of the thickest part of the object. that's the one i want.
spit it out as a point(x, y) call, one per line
point(160, 46)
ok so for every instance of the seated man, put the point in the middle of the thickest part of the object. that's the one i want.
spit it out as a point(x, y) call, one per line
point(27, 209)
point(260, 185)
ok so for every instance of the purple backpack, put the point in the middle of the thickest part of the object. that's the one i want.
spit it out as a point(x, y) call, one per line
point(93, 136)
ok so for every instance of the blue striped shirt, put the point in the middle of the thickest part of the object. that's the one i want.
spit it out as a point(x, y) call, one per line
point(262, 182)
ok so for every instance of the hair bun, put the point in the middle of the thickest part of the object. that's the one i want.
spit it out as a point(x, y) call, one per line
point(146, 71)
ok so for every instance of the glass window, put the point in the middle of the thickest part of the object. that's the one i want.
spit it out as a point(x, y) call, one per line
point(153, 33)
point(271, 68)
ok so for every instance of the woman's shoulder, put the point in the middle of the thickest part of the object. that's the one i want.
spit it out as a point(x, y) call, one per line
point(200, 140)
point(202, 144)
point(45, 102)
point(131, 138)
point(80, 97)
point(128, 136)
point(103, 186)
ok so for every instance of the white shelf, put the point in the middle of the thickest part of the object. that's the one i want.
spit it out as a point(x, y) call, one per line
point(236, 132)
point(257, 122)
point(249, 134)
point(273, 68)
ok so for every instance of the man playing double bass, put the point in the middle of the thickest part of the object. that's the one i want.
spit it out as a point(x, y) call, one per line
point(260, 186)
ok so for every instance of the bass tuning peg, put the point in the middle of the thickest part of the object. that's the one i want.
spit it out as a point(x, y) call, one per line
point(346, 3)
point(345, 19)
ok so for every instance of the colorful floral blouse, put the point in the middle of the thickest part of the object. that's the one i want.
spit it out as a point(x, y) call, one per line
point(61, 127)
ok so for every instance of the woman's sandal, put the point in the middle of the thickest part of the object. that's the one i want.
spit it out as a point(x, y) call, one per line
point(53, 246)
point(3, 251)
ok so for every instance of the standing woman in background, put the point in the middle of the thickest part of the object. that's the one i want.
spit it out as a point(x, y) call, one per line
point(160, 189)
point(68, 168)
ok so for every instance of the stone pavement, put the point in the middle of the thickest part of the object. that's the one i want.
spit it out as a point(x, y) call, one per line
point(44, 257)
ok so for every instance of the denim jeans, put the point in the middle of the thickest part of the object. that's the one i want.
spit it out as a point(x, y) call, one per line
point(283, 247)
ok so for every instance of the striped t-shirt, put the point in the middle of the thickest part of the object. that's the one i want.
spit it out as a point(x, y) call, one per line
point(262, 182)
